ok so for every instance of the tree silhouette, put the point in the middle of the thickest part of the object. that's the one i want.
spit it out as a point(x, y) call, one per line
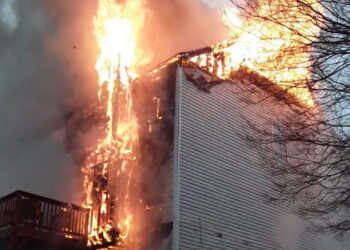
point(310, 147)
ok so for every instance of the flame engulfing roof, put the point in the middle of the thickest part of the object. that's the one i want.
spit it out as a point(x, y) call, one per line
point(204, 67)
point(111, 167)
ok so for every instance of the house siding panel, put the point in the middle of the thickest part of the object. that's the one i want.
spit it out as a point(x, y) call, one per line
point(219, 183)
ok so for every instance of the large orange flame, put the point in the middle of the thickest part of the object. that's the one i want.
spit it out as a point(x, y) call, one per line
point(261, 46)
point(116, 28)
point(277, 52)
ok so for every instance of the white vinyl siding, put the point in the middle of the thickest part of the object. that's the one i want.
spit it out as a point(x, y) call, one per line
point(218, 181)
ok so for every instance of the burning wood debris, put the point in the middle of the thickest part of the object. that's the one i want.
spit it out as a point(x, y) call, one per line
point(125, 136)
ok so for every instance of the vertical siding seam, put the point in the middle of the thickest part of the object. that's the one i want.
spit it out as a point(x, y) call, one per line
point(176, 164)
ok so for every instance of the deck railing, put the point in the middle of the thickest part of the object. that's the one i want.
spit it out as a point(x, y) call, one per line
point(7, 208)
point(25, 210)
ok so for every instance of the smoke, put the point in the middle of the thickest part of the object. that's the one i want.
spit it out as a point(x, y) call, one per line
point(47, 59)
point(169, 27)
point(8, 16)
point(36, 88)
point(217, 3)
point(180, 25)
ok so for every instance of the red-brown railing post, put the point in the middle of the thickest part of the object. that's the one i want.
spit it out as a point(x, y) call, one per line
point(16, 220)
point(87, 221)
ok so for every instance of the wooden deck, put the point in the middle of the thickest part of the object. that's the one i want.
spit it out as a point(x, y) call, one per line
point(27, 219)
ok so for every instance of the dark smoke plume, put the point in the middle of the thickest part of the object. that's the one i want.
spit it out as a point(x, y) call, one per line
point(47, 58)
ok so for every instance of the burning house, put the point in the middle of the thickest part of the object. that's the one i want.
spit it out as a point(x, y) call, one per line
point(198, 184)
point(214, 184)
point(211, 179)
point(166, 167)
point(163, 159)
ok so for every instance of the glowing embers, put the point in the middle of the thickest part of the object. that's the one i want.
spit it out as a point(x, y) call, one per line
point(99, 199)
point(213, 63)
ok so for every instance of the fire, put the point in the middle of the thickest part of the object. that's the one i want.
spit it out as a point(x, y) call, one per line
point(116, 28)
point(268, 48)
point(110, 174)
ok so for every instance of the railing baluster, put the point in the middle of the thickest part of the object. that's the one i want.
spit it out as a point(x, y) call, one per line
point(1, 214)
point(46, 214)
point(73, 220)
point(79, 225)
point(51, 217)
point(43, 214)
